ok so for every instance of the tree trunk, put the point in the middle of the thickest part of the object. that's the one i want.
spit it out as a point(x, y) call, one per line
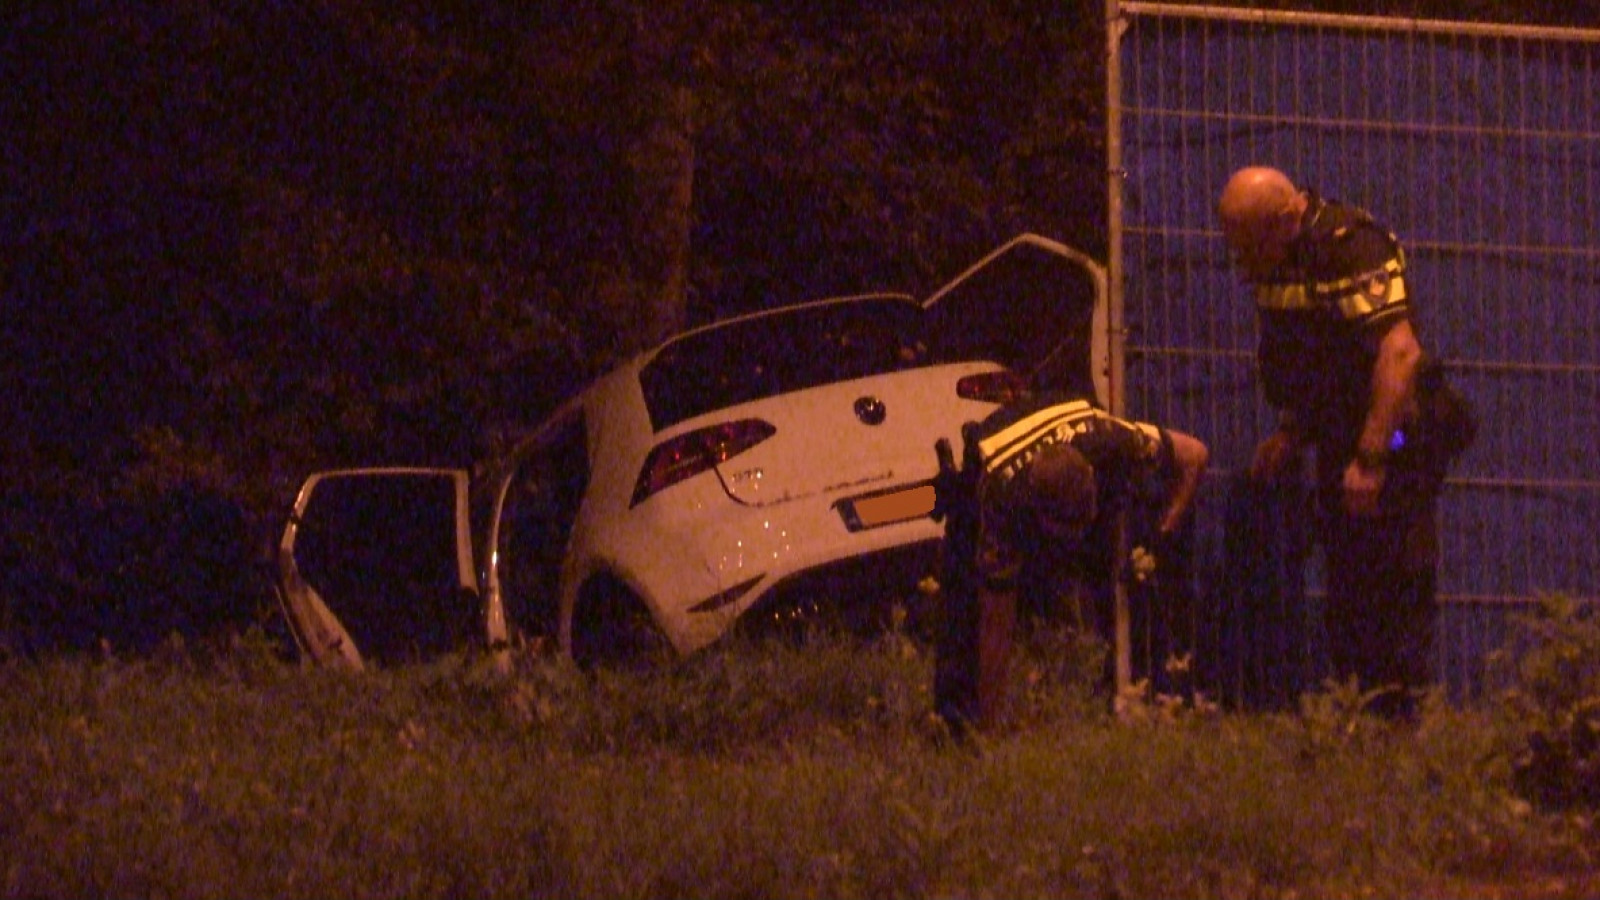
point(662, 167)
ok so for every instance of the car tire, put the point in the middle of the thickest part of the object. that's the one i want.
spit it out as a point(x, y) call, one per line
point(612, 628)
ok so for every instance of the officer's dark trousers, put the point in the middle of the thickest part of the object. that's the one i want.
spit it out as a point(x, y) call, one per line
point(1382, 603)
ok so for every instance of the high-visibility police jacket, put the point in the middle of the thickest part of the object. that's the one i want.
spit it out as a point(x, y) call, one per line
point(1131, 459)
point(1322, 315)
point(1119, 449)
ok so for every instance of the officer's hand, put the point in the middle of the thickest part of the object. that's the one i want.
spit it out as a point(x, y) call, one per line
point(1272, 455)
point(1362, 485)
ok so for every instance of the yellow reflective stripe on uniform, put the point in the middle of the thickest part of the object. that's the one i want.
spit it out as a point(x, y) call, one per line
point(1283, 296)
point(1000, 447)
point(1393, 269)
point(1354, 297)
point(1359, 303)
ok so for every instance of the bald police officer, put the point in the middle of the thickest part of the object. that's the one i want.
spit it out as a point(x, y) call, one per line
point(1340, 359)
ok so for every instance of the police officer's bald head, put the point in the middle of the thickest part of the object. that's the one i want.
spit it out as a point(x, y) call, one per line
point(1260, 211)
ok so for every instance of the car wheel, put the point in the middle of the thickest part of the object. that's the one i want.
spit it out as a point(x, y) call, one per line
point(611, 627)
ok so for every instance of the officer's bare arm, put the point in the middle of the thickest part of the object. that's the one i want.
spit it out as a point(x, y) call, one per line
point(1393, 376)
point(1190, 457)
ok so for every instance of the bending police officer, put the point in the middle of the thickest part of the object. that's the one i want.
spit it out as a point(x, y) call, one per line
point(1044, 479)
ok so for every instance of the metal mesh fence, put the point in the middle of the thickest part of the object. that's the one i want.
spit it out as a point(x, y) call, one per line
point(1480, 147)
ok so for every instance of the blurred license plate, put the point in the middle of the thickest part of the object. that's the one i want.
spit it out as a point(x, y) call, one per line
point(895, 506)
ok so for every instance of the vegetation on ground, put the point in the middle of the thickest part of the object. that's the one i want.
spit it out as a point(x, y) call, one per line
point(774, 770)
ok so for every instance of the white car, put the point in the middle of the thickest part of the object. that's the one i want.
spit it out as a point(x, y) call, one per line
point(769, 469)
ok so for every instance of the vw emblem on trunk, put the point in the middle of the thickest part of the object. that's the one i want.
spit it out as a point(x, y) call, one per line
point(870, 410)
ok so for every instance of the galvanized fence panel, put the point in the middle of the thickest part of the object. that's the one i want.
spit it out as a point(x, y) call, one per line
point(1480, 147)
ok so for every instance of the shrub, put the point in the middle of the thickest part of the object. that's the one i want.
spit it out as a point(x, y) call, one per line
point(1551, 711)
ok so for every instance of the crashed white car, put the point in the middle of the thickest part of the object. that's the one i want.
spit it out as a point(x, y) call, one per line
point(769, 470)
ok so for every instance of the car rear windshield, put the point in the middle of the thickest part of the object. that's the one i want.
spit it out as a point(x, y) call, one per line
point(783, 351)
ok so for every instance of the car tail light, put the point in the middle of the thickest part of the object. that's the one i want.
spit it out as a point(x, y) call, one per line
point(1004, 386)
point(694, 452)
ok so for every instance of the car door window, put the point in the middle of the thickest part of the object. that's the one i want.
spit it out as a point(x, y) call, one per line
point(1031, 306)
point(542, 501)
point(381, 552)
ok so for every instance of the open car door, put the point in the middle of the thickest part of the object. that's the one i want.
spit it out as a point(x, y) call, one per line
point(1036, 306)
point(376, 566)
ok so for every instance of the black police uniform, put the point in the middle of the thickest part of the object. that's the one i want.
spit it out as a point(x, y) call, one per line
point(1322, 316)
point(1011, 532)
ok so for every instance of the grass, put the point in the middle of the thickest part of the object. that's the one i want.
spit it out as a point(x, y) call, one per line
point(754, 771)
